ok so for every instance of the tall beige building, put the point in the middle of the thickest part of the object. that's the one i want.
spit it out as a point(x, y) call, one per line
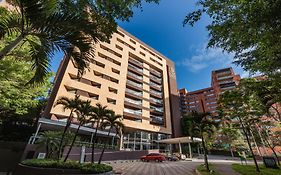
point(130, 78)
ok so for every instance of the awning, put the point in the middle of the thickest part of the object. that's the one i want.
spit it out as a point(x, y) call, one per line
point(180, 140)
point(48, 124)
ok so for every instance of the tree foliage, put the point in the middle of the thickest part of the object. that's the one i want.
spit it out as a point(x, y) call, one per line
point(70, 26)
point(250, 29)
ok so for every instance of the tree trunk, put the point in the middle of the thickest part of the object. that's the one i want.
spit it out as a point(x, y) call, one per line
point(7, 49)
point(205, 153)
point(68, 122)
point(249, 144)
point(254, 140)
point(278, 113)
point(93, 144)
point(73, 141)
point(231, 152)
point(101, 155)
point(267, 142)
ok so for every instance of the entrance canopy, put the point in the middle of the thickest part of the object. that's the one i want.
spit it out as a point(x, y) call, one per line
point(180, 140)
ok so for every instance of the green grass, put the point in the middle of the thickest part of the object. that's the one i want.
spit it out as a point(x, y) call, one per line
point(203, 171)
point(251, 170)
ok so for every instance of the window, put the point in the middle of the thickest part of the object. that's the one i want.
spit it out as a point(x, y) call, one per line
point(126, 44)
point(115, 71)
point(143, 54)
point(110, 89)
point(111, 101)
point(97, 85)
point(110, 51)
point(71, 89)
point(132, 41)
point(121, 34)
point(93, 96)
point(119, 47)
point(98, 74)
point(97, 63)
point(109, 59)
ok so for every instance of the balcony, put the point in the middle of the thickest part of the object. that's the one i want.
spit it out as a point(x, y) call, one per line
point(156, 109)
point(134, 83)
point(224, 77)
point(135, 61)
point(156, 93)
point(134, 92)
point(136, 102)
point(156, 100)
point(131, 111)
point(158, 74)
point(155, 78)
point(135, 68)
point(135, 76)
point(154, 84)
point(157, 119)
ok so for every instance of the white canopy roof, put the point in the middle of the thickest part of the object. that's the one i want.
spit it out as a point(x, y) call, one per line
point(180, 140)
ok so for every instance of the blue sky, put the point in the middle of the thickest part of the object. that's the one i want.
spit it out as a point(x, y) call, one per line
point(160, 26)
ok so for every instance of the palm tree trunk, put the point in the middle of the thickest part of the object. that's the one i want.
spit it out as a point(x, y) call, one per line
point(7, 49)
point(101, 155)
point(73, 141)
point(93, 144)
point(249, 144)
point(205, 153)
point(68, 122)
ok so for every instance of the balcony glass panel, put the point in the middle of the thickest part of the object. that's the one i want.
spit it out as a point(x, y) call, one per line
point(134, 83)
point(134, 75)
point(155, 92)
point(156, 100)
point(131, 111)
point(137, 102)
point(136, 68)
point(134, 92)
point(156, 109)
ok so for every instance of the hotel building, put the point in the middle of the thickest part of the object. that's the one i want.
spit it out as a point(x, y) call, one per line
point(130, 78)
point(205, 100)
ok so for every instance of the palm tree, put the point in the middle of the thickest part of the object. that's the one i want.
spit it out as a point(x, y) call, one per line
point(49, 139)
point(50, 26)
point(100, 112)
point(201, 124)
point(73, 105)
point(112, 121)
point(84, 112)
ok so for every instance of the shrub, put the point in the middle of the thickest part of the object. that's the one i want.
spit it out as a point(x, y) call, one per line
point(95, 168)
point(84, 168)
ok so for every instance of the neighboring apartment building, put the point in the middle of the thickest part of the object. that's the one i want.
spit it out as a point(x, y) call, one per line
point(205, 100)
point(130, 78)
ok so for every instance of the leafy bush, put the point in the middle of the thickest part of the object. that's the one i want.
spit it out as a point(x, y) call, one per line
point(85, 168)
point(95, 168)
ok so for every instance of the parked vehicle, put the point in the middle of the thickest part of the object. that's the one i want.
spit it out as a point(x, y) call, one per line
point(153, 156)
point(172, 158)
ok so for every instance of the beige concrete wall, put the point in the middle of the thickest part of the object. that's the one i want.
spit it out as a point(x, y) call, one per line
point(152, 59)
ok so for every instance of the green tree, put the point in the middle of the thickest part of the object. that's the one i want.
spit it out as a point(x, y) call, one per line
point(249, 29)
point(112, 121)
point(242, 107)
point(100, 112)
point(69, 26)
point(72, 105)
point(84, 113)
point(200, 125)
point(229, 135)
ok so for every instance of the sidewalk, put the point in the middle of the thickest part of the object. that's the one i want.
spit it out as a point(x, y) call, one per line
point(225, 169)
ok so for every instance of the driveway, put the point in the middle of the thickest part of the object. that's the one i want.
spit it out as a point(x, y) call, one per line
point(155, 168)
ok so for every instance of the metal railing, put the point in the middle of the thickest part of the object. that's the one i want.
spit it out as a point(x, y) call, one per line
point(134, 67)
point(133, 111)
point(156, 109)
point(134, 83)
point(133, 101)
point(134, 92)
point(136, 76)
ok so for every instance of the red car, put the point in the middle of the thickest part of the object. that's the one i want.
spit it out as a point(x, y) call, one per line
point(153, 156)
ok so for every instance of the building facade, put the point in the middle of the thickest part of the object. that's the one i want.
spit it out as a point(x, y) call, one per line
point(205, 100)
point(130, 78)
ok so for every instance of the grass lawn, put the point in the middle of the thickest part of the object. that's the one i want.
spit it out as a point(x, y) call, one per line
point(251, 170)
point(203, 171)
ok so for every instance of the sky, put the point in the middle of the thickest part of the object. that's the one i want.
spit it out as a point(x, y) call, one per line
point(161, 27)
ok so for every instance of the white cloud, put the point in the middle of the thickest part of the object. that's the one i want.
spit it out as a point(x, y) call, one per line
point(204, 58)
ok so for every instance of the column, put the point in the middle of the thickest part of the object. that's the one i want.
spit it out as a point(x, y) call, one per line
point(190, 151)
point(36, 133)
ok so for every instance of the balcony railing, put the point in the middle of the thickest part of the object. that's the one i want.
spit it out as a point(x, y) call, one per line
point(136, 76)
point(134, 92)
point(155, 78)
point(154, 84)
point(134, 83)
point(222, 78)
point(133, 101)
point(157, 119)
point(131, 111)
point(135, 68)
point(156, 109)
point(136, 61)
point(156, 101)
point(155, 92)
point(155, 72)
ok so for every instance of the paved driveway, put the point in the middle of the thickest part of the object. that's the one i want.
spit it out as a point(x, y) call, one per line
point(155, 168)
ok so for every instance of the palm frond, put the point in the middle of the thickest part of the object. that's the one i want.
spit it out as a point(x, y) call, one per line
point(10, 24)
